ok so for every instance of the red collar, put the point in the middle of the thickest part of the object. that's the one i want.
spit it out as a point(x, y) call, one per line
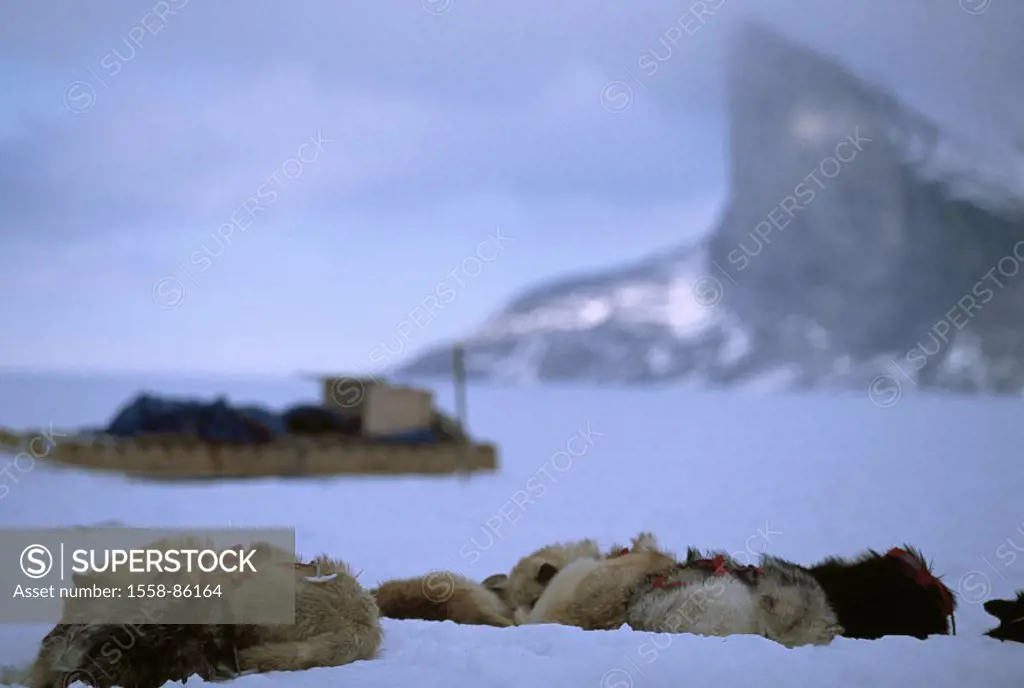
point(918, 570)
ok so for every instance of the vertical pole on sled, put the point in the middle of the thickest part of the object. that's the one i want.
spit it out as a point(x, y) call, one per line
point(459, 379)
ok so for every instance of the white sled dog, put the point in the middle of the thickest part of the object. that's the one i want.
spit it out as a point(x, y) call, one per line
point(707, 594)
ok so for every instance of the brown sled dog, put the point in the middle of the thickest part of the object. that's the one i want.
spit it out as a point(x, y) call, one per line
point(595, 594)
point(336, 622)
point(706, 595)
point(445, 596)
point(525, 584)
point(578, 585)
point(531, 575)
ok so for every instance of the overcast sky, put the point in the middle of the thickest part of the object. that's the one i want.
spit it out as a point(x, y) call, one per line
point(133, 131)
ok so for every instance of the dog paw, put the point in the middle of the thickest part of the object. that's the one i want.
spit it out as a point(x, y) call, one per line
point(224, 672)
point(826, 635)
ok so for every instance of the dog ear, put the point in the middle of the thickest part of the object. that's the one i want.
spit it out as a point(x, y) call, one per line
point(1001, 609)
point(498, 582)
point(545, 573)
point(645, 541)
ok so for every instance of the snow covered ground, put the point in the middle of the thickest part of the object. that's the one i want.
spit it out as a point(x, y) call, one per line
point(800, 476)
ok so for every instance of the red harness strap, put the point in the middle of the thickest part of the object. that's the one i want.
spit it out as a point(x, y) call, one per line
point(662, 583)
point(717, 565)
point(918, 570)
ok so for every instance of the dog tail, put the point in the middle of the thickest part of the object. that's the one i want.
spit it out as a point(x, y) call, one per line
point(458, 600)
point(407, 599)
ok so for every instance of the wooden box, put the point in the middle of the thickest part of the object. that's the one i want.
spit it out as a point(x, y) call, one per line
point(391, 410)
point(347, 393)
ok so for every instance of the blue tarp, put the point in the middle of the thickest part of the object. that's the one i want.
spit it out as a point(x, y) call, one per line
point(215, 421)
point(220, 422)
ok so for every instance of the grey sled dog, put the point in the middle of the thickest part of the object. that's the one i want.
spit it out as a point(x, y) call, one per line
point(707, 594)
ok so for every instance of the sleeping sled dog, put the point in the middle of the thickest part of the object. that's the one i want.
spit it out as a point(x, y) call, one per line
point(707, 594)
point(336, 622)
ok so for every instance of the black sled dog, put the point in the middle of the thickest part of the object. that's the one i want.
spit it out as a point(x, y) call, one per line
point(895, 593)
point(1011, 618)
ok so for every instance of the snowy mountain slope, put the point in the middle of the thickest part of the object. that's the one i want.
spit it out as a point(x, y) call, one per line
point(854, 230)
point(642, 324)
point(802, 476)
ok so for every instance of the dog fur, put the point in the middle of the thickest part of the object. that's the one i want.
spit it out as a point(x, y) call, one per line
point(445, 596)
point(524, 586)
point(876, 595)
point(652, 591)
point(531, 575)
point(582, 586)
point(1011, 618)
point(133, 656)
point(595, 594)
point(336, 622)
point(776, 600)
point(142, 654)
